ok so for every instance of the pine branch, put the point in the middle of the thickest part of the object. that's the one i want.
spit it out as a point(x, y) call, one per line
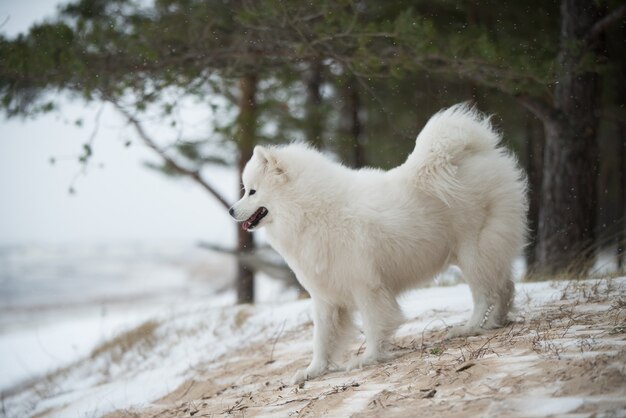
point(194, 175)
point(504, 79)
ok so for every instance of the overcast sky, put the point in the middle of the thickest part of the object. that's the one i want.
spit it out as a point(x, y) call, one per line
point(118, 199)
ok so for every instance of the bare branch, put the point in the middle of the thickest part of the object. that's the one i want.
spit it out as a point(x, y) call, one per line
point(540, 108)
point(262, 259)
point(86, 157)
point(195, 175)
point(96, 126)
point(4, 22)
point(603, 24)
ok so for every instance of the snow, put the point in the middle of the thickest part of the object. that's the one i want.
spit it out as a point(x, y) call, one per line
point(58, 302)
point(542, 406)
point(192, 330)
point(28, 353)
point(193, 335)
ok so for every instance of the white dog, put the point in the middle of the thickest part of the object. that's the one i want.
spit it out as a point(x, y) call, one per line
point(358, 238)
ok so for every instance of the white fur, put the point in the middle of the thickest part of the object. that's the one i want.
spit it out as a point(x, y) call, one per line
point(358, 238)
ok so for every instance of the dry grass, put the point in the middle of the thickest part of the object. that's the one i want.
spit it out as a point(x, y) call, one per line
point(141, 339)
point(242, 316)
point(583, 266)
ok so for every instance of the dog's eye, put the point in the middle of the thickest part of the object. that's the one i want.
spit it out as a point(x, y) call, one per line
point(252, 192)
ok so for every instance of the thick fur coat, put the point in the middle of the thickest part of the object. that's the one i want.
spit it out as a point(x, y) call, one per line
point(358, 238)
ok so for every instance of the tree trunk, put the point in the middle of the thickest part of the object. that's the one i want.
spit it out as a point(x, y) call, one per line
point(313, 112)
point(620, 198)
point(569, 195)
point(534, 167)
point(246, 139)
point(619, 100)
point(351, 122)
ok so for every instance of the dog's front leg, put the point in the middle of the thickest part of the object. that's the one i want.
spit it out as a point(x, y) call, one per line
point(322, 331)
point(381, 317)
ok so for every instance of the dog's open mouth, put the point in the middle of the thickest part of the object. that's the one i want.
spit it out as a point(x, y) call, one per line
point(254, 220)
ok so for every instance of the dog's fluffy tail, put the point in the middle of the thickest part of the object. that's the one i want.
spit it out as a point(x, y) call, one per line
point(449, 136)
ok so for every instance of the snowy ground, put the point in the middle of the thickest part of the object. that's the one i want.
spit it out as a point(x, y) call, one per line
point(58, 302)
point(564, 355)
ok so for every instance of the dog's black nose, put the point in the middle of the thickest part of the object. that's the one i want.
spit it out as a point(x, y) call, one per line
point(231, 211)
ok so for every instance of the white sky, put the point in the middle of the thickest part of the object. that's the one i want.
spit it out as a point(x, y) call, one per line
point(120, 201)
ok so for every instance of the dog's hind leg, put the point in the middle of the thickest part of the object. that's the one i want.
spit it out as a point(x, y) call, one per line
point(491, 304)
point(381, 317)
point(489, 277)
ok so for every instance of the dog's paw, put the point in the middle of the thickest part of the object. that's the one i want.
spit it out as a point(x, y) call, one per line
point(354, 363)
point(358, 362)
point(310, 372)
point(464, 331)
point(300, 377)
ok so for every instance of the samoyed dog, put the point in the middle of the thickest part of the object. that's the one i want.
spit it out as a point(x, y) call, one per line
point(356, 239)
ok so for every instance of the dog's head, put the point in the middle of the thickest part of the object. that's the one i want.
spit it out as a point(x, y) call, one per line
point(262, 178)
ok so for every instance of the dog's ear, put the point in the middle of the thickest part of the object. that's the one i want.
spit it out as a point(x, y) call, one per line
point(269, 160)
point(262, 154)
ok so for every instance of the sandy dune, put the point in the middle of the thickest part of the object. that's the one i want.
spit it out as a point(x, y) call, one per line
point(563, 356)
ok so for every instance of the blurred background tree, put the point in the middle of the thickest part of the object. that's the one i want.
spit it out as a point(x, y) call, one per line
point(358, 79)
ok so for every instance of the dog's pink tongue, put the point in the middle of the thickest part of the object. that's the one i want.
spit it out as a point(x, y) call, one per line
point(245, 225)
